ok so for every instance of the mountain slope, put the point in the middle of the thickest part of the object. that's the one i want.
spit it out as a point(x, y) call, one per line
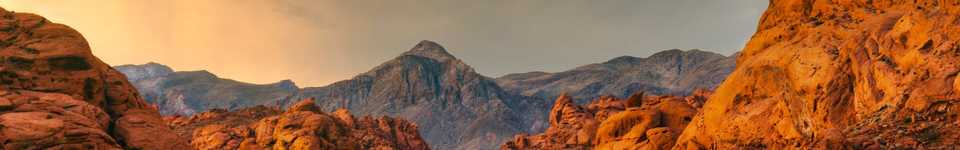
point(668, 72)
point(189, 92)
point(456, 107)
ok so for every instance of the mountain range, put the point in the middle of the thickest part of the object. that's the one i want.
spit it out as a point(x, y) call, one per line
point(454, 106)
point(669, 72)
point(189, 92)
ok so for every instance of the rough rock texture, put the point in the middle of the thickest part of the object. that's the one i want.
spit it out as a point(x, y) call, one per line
point(185, 125)
point(189, 92)
point(37, 120)
point(607, 123)
point(301, 127)
point(51, 67)
point(457, 107)
point(840, 74)
point(674, 72)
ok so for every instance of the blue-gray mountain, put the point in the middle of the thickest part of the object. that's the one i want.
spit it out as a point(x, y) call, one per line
point(454, 107)
point(674, 72)
point(189, 92)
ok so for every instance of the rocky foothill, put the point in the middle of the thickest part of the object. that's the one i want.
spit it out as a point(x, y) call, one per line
point(638, 122)
point(302, 126)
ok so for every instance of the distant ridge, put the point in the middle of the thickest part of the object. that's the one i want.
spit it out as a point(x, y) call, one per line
point(672, 71)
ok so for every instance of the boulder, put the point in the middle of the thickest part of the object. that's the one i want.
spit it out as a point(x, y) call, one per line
point(37, 55)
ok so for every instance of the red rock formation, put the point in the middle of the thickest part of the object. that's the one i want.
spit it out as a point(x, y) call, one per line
point(303, 126)
point(606, 123)
point(840, 74)
point(37, 120)
point(49, 69)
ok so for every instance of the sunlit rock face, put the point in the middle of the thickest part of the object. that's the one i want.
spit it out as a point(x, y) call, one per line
point(302, 126)
point(54, 94)
point(840, 74)
point(638, 122)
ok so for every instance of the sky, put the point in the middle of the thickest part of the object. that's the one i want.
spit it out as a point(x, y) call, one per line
point(317, 42)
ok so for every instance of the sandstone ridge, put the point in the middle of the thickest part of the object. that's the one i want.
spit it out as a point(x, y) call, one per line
point(54, 94)
point(303, 126)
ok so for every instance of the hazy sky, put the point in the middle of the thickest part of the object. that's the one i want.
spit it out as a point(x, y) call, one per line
point(316, 42)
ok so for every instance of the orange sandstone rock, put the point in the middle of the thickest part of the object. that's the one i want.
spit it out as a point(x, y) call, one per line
point(40, 57)
point(840, 74)
point(606, 123)
point(301, 127)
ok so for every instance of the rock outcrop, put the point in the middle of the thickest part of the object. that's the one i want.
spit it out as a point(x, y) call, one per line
point(301, 127)
point(37, 120)
point(611, 123)
point(56, 94)
point(673, 72)
point(840, 74)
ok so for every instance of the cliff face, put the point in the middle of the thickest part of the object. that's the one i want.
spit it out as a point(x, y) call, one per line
point(457, 107)
point(55, 94)
point(674, 72)
point(189, 92)
point(840, 74)
point(302, 126)
point(650, 122)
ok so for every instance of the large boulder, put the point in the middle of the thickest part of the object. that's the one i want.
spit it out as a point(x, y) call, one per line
point(37, 55)
point(840, 74)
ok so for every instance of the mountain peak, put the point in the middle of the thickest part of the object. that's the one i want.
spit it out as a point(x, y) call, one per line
point(430, 49)
point(684, 53)
point(148, 70)
point(623, 59)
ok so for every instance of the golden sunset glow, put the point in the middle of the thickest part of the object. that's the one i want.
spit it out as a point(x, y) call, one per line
point(246, 40)
point(317, 42)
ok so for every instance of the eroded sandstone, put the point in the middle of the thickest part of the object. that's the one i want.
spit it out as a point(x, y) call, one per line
point(638, 122)
point(302, 126)
point(840, 74)
point(58, 95)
